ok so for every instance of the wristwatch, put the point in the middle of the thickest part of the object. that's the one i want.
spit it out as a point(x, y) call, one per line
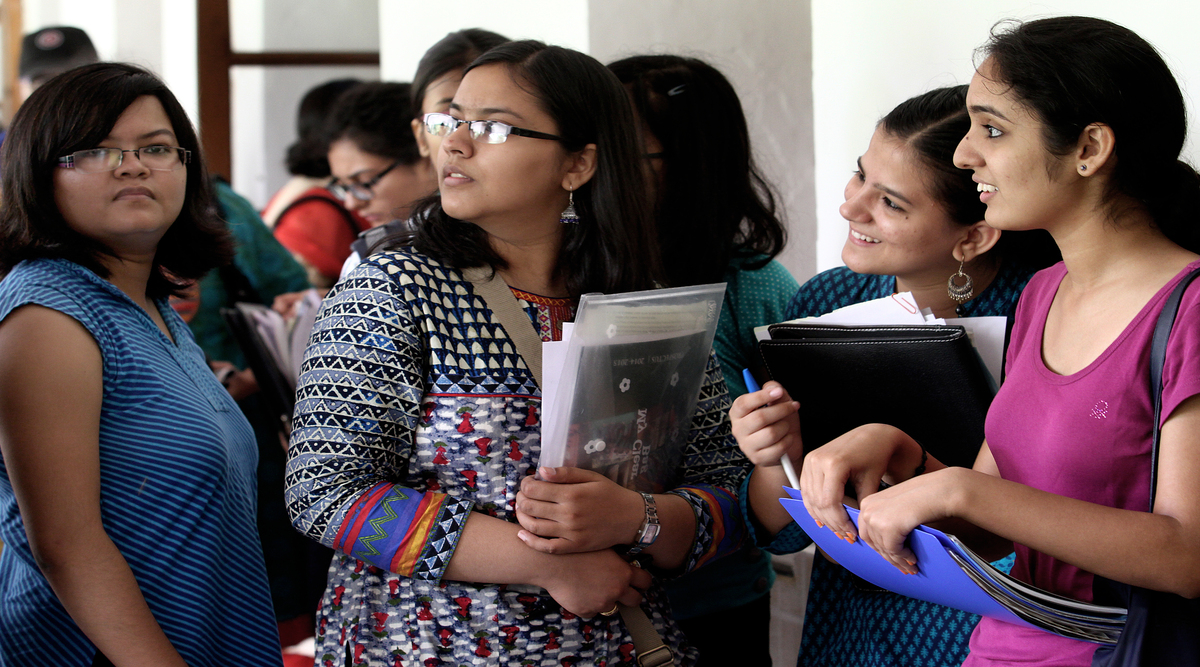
point(650, 527)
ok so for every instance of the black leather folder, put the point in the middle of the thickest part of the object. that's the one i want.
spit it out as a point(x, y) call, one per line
point(926, 380)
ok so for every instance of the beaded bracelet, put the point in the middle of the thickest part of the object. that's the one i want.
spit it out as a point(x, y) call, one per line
point(924, 459)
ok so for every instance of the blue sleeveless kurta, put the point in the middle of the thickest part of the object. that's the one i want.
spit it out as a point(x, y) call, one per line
point(177, 489)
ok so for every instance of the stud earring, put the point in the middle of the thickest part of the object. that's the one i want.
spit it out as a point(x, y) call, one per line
point(960, 293)
point(569, 216)
point(1083, 167)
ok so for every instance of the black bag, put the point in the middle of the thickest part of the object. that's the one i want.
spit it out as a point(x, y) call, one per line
point(1162, 629)
point(919, 379)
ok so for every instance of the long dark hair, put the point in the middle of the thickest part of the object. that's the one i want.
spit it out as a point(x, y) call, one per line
point(369, 115)
point(76, 111)
point(307, 156)
point(612, 248)
point(714, 204)
point(452, 52)
point(1072, 71)
point(931, 125)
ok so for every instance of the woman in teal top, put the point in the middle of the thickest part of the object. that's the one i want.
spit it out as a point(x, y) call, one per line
point(716, 222)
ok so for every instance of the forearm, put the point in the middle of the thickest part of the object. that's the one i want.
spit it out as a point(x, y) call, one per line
point(1144, 549)
point(97, 588)
point(670, 551)
point(766, 488)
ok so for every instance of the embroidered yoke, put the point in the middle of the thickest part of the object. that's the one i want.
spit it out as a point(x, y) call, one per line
point(414, 409)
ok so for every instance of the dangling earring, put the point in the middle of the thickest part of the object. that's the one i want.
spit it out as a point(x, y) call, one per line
point(569, 216)
point(960, 293)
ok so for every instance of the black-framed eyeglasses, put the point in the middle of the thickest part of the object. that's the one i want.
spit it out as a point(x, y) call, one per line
point(490, 131)
point(99, 160)
point(360, 191)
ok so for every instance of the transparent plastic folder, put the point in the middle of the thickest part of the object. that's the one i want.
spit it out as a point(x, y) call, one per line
point(620, 401)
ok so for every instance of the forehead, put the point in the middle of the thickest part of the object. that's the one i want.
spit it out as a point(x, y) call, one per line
point(144, 114)
point(484, 90)
point(890, 163)
point(346, 159)
point(989, 93)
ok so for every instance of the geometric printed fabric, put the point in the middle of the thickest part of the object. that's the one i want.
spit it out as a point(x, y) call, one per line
point(414, 410)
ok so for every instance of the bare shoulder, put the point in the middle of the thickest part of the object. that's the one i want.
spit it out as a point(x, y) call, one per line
point(42, 347)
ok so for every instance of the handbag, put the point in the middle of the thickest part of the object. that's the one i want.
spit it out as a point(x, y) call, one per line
point(917, 378)
point(1162, 629)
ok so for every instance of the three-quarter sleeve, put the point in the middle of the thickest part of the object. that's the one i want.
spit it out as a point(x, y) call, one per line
point(713, 470)
point(358, 403)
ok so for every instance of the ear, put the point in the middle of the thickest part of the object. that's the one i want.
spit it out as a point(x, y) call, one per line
point(418, 130)
point(977, 240)
point(581, 166)
point(1097, 142)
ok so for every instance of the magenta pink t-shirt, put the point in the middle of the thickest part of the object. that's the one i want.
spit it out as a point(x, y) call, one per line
point(1086, 435)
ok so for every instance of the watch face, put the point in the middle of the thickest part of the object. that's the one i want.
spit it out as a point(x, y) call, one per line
point(650, 534)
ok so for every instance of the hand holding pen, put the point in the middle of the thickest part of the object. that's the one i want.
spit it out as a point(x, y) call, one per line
point(766, 424)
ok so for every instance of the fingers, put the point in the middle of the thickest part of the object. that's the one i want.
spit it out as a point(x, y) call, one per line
point(555, 545)
point(823, 490)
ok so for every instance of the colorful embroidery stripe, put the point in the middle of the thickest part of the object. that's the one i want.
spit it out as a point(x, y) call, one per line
point(405, 561)
point(357, 514)
point(727, 537)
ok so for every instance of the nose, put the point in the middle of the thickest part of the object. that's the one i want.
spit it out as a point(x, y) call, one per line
point(965, 157)
point(131, 164)
point(354, 203)
point(458, 140)
point(854, 208)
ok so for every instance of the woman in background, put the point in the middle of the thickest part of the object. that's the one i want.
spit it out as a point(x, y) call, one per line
point(716, 222)
point(416, 423)
point(915, 223)
point(127, 481)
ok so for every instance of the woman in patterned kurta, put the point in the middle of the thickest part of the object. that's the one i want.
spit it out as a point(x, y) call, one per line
point(417, 421)
point(913, 217)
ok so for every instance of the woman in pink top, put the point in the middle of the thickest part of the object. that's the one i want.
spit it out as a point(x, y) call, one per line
point(1077, 125)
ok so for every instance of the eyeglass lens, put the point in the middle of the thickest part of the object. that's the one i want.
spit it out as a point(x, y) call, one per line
point(158, 158)
point(491, 131)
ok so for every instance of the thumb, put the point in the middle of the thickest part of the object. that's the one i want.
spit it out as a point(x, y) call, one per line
point(565, 475)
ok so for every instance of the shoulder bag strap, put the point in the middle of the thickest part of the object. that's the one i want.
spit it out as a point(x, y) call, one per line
point(347, 216)
point(1158, 356)
point(499, 298)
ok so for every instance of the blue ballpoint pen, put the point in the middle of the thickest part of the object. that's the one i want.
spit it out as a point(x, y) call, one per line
point(788, 468)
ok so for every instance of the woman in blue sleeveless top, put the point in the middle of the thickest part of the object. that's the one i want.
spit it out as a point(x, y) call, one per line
point(127, 486)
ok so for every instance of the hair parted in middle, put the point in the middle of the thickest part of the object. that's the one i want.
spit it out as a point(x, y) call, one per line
point(371, 116)
point(613, 248)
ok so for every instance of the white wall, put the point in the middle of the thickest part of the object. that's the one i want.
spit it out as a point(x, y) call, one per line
point(763, 48)
point(407, 28)
point(869, 55)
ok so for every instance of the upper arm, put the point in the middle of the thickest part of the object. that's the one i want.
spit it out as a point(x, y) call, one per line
point(51, 390)
point(985, 462)
point(1177, 494)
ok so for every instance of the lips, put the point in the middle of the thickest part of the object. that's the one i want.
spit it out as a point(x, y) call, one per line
point(864, 238)
point(134, 193)
point(453, 175)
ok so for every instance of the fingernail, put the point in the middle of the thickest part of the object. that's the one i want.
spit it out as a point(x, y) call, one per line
point(912, 563)
point(522, 535)
point(819, 524)
point(850, 537)
point(545, 471)
point(775, 392)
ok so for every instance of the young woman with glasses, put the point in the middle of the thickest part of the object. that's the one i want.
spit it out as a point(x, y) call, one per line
point(417, 424)
point(913, 220)
point(376, 173)
point(127, 484)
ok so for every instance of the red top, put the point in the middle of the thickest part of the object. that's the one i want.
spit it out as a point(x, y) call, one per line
point(319, 230)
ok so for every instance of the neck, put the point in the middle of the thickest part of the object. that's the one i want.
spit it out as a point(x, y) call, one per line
point(532, 264)
point(930, 290)
point(1098, 251)
point(131, 275)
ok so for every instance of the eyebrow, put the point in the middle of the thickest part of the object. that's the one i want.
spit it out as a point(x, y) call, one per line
point(490, 111)
point(884, 188)
point(991, 111)
point(149, 135)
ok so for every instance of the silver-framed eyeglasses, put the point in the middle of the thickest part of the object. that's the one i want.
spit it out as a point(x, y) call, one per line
point(99, 160)
point(490, 131)
point(360, 191)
